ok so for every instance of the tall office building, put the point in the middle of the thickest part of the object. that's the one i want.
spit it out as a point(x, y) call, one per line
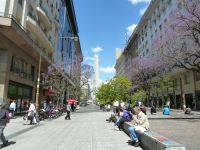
point(96, 71)
point(30, 30)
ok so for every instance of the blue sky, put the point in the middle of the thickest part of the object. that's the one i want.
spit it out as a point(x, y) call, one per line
point(103, 25)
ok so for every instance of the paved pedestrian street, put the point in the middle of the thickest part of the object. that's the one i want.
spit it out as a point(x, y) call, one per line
point(184, 131)
point(87, 130)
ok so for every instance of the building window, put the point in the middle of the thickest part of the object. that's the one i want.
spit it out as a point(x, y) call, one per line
point(169, 2)
point(160, 27)
point(176, 83)
point(198, 76)
point(52, 8)
point(146, 43)
point(22, 94)
point(154, 22)
point(56, 5)
point(179, 5)
point(186, 78)
point(22, 68)
point(163, 8)
point(20, 2)
point(145, 34)
point(158, 16)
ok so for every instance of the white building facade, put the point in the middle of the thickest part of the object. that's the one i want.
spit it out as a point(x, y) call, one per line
point(186, 83)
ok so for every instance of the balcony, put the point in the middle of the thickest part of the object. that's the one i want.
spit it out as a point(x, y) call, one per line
point(19, 12)
point(44, 18)
point(35, 29)
point(56, 24)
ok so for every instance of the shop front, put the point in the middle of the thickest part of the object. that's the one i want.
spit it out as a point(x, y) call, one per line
point(178, 102)
point(189, 100)
point(198, 100)
point(22, 94)
point(49, 95)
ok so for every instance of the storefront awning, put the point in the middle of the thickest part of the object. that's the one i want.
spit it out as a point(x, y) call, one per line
point(49, 92)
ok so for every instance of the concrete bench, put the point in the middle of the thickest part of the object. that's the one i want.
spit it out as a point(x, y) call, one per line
point(152, 141)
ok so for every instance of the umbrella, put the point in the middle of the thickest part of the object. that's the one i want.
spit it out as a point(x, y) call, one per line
point(72, 100)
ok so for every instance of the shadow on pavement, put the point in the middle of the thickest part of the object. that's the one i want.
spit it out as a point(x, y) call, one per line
point(8, 144)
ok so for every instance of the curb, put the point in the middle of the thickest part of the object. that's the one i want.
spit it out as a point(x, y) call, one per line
point(171, 118)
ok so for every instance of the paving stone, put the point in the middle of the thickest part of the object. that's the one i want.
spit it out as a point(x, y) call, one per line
point(87, 130)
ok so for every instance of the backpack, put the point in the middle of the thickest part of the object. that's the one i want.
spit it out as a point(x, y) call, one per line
point(2, 114)
point(130, 115)
point(127, 115)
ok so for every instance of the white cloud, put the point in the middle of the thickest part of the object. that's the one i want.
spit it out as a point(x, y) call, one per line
point(90, 64)
point(134, 2)
point(97, 49)
point(142, 11)
point(108, 69)
point(130, 29)
point(88, 58)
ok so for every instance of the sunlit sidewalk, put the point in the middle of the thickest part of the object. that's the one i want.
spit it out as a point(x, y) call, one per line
point(87, 130)
point(16, 126)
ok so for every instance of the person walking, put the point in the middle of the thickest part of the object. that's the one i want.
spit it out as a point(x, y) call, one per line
point(12, 108)
point(72, 107)
point(141, 124)
point(68, 109)
point(50, 109)
point(4, 119)
point(32, 113)
point(115, 107)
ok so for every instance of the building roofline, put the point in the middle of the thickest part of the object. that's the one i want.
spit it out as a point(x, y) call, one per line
point(143, 19)
point(72, 16)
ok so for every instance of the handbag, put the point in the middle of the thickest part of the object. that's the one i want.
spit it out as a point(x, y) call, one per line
point(30, 117)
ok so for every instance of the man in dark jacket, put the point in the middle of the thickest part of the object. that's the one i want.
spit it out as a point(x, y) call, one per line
point(4, 119)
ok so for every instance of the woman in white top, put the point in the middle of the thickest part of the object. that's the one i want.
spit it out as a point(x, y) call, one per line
point(31, 113)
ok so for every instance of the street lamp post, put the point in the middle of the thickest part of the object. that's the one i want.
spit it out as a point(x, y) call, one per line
point(75, 38)
point(38, 83)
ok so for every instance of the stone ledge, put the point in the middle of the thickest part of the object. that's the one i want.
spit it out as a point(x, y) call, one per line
point(153, 141)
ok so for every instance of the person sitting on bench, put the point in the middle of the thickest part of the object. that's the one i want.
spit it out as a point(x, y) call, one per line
point(166, 110)
point(188, 110)
point(141, 124)
point(124, 116)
